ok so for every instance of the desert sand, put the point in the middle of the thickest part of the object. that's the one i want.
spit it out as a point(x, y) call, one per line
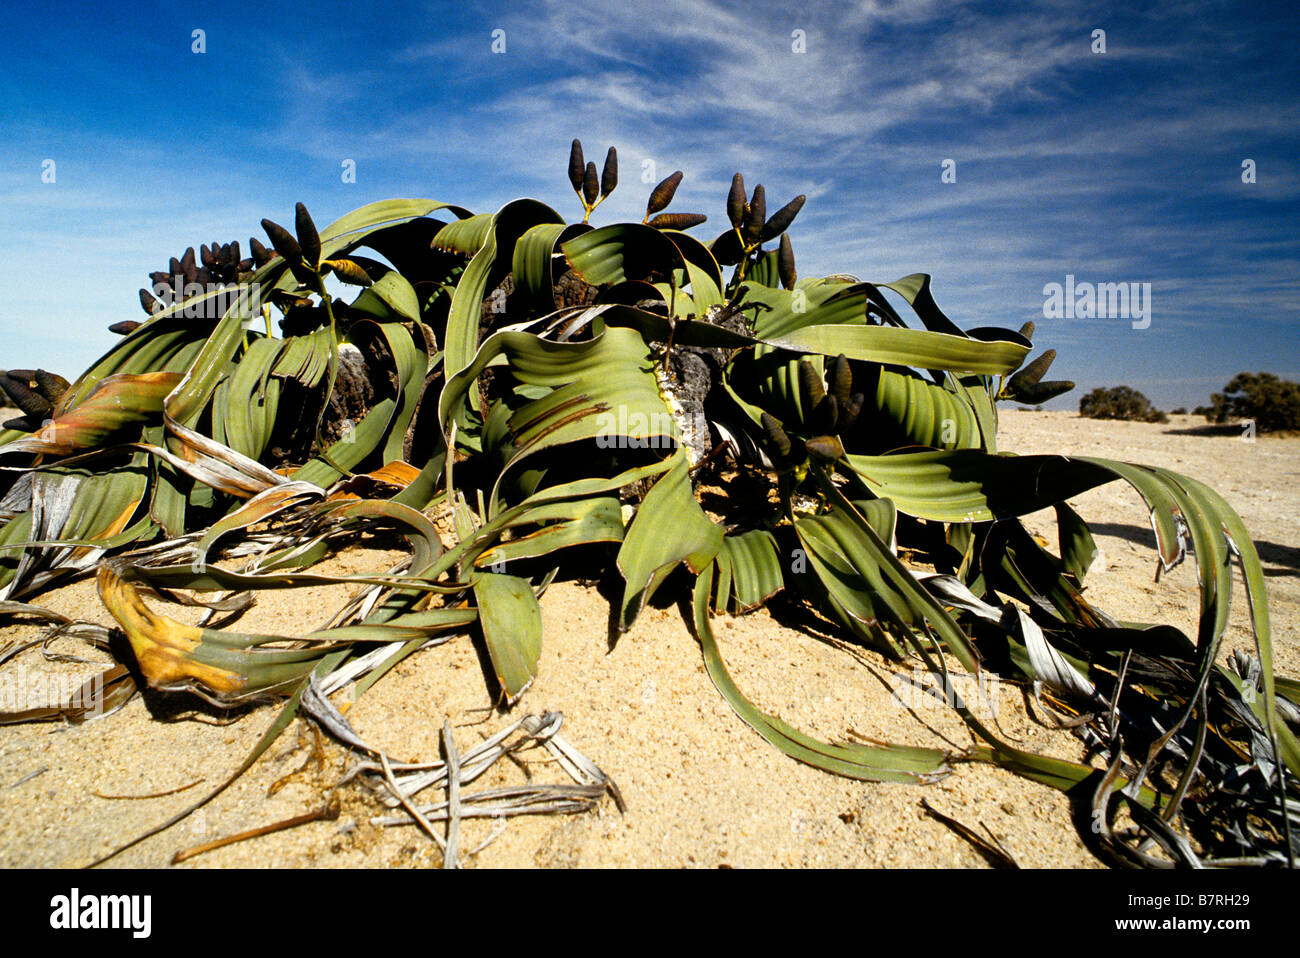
point(702, 789)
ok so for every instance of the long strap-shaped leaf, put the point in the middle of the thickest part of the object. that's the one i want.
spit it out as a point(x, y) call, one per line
point(966, 485)
point(894, 763)
point(383, 428)
point(1058, 773)
point(599, 388)
point(668, 528)
point(489, 264)
point(116, 407)
point(905, 347)
point(621, 252)
point(512, 629)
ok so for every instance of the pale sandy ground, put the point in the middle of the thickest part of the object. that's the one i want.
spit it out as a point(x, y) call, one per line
point(702, 789)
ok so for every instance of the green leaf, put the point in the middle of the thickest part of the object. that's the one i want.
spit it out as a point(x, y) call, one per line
point(622, 251)
point(465, 236)
point(701, 268)
point(668, 528)
point(532, 262)
point(849, 566)
point(887, 763)
point(749, 566)
point(186, 404)
point(512, 627)
point(487, 268)
point(603, 388)
point(381, 213)
point(1077, 546)
point(916, 290)
point(908, 410)
point(164, 343)
point(965, 485)
point(905, 347)
point(560, 526)
point(244, 411)
point(391, 287)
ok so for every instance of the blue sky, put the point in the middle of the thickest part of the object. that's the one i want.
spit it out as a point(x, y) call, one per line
point(1122, 166)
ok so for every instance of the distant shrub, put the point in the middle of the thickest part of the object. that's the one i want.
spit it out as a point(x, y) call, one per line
point(1119, 402)
point(1180, 411)
point(1272, 403)
point(1206, 411)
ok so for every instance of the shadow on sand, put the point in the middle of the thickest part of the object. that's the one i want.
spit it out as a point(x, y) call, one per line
point(1209, 429)
point(1285, 560)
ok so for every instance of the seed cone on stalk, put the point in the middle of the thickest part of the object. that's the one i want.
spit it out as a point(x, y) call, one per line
point(592, 189)
point(221, 265)
point(663, 194)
